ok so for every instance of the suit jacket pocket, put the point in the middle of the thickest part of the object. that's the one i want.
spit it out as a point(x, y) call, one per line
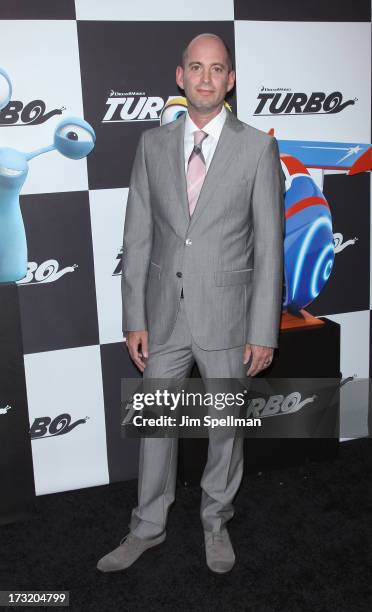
point(233, 277)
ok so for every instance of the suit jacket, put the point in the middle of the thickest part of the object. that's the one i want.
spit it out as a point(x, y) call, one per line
point(228, 257)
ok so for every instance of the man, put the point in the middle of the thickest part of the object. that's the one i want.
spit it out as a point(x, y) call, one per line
point(202, 280)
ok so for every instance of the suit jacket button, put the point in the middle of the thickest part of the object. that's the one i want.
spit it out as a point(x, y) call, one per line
point(179, 274)
point(188, 242)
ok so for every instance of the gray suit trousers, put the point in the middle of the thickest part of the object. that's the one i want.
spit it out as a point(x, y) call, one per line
point(158, 456)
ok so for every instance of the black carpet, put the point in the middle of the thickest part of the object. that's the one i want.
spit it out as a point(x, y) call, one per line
point(302, 537)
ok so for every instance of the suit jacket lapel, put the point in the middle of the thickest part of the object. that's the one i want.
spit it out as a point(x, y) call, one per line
point(176, 157)
point(221, 160)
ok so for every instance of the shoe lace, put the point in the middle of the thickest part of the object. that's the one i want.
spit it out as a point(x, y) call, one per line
point(135, 542)
point(215, 537)
point(218, 537)
point(125, 537)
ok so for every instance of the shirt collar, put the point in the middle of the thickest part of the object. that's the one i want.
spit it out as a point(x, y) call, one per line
point(212, 128)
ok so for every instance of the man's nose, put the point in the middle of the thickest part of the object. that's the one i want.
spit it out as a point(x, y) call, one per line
point(206, 77)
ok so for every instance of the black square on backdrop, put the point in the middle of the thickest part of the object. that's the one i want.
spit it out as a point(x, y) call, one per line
point(292, 10)
point(122, 453)
point(370, 360)
point(124, 57)
point(37, 9)
point(347, 289)
point(61, 313)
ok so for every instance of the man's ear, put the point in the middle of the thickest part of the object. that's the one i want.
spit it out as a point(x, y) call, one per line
point(231, 81)
point(179, 76)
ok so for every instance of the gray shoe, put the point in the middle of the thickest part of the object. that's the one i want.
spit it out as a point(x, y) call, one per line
point(219, 551)
point(130, 549)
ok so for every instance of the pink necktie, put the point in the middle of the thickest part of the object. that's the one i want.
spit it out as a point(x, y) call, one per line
point(195, 170)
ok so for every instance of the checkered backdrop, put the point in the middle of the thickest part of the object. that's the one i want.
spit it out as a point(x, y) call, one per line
point(113, 63)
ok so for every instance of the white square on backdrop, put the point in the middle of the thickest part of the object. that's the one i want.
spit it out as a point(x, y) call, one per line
point(305, 57)
point(162, 10)
point(42, 61)
point(65, 395)
point(107, 212)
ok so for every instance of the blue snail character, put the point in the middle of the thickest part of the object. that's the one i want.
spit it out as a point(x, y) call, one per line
point(74, 138)
point(308, 246)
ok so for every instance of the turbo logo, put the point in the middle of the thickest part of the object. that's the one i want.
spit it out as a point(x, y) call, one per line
point(119, 259)
point(277, 405)
point(279, 102)
point(45, 427)
point(339, 243)
point(132, 106)
point(33, 113)
point(46, 272)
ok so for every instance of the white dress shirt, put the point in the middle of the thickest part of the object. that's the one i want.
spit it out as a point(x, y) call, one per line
point(213, 128)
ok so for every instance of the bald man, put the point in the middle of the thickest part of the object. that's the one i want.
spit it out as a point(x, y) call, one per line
point(202, 282)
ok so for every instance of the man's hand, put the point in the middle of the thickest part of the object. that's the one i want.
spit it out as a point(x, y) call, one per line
point(134, 340)
point(262, 357)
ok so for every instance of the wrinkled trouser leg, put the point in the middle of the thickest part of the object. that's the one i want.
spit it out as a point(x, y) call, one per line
point(158, 456)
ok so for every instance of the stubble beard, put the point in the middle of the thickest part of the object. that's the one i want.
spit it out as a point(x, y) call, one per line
point(203, 107)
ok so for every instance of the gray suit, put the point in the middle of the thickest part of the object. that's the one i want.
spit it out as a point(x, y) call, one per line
point(228, 259)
